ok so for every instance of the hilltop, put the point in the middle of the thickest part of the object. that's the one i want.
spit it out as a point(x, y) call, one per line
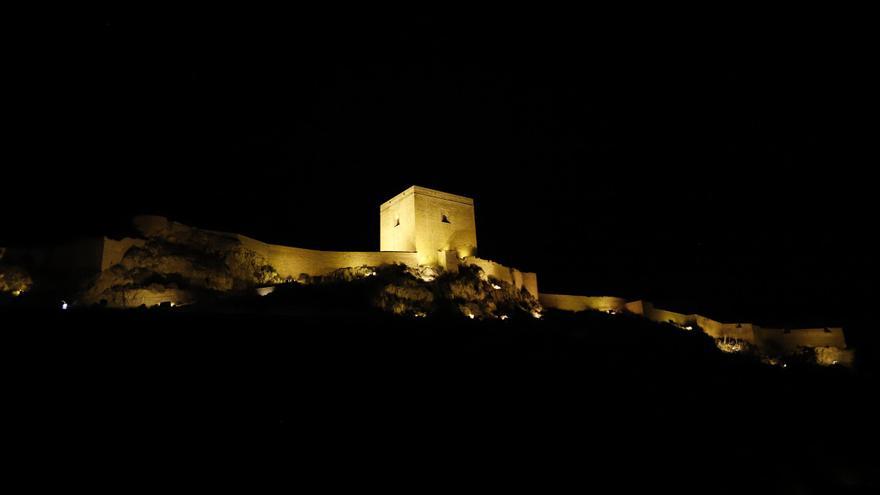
point(558, 390)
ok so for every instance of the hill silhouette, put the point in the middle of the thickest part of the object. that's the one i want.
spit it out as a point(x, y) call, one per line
point(588, 396)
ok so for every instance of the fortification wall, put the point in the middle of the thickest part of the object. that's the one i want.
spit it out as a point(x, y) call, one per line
point(768, 340)
point(397, 223)
point(291, 261)
point(568, 302)
point(780, 340)
point(530, 282)
point(636, 307)
point(152, 297)
point(506, 274)
point(740, 331)
point(718, 330)
point(665, 316)
point(443, 222)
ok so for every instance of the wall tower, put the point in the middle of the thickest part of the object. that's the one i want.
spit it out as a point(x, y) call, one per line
point(430, 223)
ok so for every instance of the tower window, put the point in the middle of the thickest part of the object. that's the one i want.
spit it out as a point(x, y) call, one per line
point(444, 218)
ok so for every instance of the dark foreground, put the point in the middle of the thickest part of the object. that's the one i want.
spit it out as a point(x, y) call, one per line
point(612, 404)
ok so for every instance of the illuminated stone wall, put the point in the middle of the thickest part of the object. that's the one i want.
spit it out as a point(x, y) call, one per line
point(506, 274)
point(530, 282)
point(766, 339)
point(291, 261)
point(422, 226)
point(718, 330)
point(636, 307)
point(428, 222)
point(397, 223)
point(780, 340)
point(568, 302)
point(135, 298)
point(665, 316)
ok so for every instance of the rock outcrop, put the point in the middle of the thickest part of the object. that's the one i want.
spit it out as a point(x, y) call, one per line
point(177, 264)
point(425, 290)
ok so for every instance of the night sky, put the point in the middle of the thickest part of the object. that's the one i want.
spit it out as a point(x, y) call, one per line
point(711, 163)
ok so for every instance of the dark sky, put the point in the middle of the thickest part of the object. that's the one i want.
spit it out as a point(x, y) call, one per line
point(703, 159)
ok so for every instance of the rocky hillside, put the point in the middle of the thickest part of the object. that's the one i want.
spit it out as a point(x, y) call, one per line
point(398, 290)
point(178, 261)
point(185, 265)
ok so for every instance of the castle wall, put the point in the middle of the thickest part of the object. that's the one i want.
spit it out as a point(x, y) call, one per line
point(718, 330)
point(150, 297)
point(740, 331)
point(769, 340)
point(291, 261)
point(433, 235)
point(665, 316)
point(780, 340)
point(530, 282)
point(567, 302)
point(397, 223)
point(449, 261)
point(506, 274)
point(635, 307)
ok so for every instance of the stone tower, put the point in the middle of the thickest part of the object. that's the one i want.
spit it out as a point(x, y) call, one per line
point(431, 223)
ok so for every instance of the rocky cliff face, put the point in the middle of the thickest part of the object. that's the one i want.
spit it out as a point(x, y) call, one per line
point(178, 263)
point(426, 290)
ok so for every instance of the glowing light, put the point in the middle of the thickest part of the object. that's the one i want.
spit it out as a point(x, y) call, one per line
point(729, 346)
point(16, 293)
point(688, 327)
point(784, 365)
point(63, 304)
point(536, 314)
point(504, 317)
point(172, 304)
point(471, 316)
point(420, 315)
point(265, 291)
point(496, 286)
point(834, 362)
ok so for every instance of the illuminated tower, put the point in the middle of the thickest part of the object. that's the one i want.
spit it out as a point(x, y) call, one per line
point(430, 223)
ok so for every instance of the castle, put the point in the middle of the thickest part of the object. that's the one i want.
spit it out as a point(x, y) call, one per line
point(422, 226)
